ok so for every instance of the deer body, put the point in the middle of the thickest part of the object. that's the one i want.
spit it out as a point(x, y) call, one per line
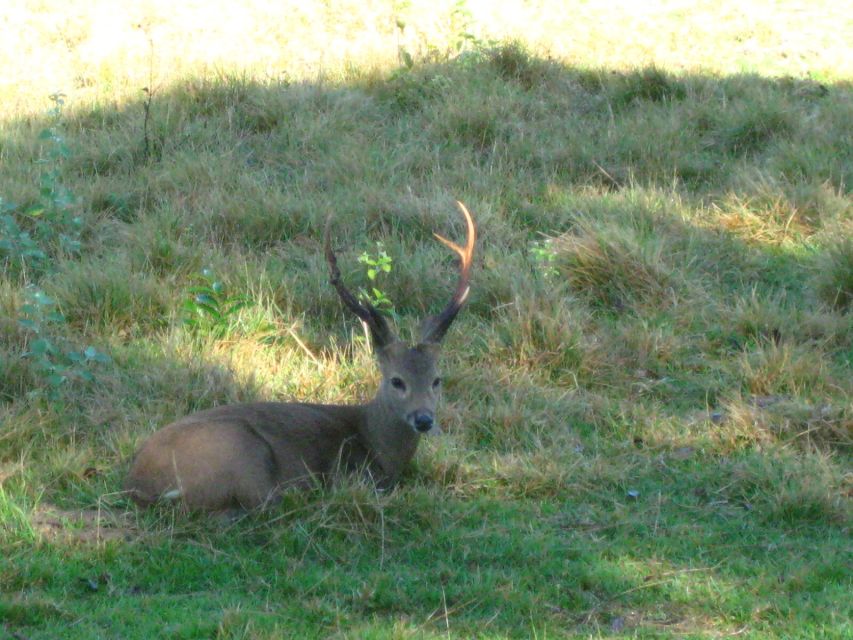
point(243, 455)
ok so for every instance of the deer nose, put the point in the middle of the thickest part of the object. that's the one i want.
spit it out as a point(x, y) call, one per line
point(422, 421)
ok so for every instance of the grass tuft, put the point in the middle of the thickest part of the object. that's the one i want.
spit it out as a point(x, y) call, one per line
point(648, 85)
point(750, 130)
point(835, 276)
point(513, 61)
point(614, 267)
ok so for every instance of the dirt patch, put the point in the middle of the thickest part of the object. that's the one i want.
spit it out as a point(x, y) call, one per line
point(88, 526)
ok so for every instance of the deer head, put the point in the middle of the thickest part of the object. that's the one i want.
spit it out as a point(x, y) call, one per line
point(411, 384)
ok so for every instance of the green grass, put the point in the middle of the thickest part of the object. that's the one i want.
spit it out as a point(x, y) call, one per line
point(648, 433)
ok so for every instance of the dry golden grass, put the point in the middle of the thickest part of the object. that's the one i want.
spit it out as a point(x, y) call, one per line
point(103, 50)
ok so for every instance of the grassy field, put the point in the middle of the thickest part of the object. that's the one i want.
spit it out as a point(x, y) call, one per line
point(647, 413)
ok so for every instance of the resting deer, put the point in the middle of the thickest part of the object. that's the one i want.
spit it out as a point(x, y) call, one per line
point(241, 456)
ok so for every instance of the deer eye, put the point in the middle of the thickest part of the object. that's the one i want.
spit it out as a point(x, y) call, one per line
point(436, 383)
point(398, 384)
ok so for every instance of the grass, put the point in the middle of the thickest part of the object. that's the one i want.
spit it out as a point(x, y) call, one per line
point(647, 398)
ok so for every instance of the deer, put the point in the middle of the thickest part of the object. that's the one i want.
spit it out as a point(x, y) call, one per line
point(241, 457)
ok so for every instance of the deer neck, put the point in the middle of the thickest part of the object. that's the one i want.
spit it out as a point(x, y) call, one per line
point(391, 440)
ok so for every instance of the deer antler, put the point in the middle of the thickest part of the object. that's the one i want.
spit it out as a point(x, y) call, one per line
point(434, 327)
point(379, 329)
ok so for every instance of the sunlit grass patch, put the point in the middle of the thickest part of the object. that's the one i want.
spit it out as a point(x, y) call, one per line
point(614, 266)
point(98, 295)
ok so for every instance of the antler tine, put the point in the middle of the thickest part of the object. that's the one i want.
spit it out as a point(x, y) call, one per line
point(382, 334)
point(435, 327)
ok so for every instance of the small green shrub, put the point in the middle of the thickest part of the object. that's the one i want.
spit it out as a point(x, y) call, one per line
point(410, 90)
point(211, 310)
point(544, 257)
point(21, 252)
point(377, 265)
point(33, 237)
point(53, 359)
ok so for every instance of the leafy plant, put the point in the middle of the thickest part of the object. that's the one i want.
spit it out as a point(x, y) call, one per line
point(210, 309)
point(377, 264)
point(462, 24)
point(54, 227)
point(403, 54)
point(544, 258)
point(30, 241)
point(54, 213)
point(20, 249)
point(53, 360)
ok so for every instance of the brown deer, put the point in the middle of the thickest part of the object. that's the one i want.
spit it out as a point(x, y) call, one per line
point(241, 456)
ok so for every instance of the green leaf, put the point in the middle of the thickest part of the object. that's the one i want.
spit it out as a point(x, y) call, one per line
point(234, 308)
point(42, 300)
point(42, 363)
point(55, 379)
point(70, 245)
point(40, 346)
point(26, 323)
point(208, 309)
point(205, 299)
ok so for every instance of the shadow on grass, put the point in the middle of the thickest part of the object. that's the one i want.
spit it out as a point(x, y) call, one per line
point(686, 210)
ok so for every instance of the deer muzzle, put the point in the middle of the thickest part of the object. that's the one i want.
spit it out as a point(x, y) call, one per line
point(421, 420)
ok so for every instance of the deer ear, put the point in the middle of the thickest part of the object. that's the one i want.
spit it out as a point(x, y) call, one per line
point(381, 353)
